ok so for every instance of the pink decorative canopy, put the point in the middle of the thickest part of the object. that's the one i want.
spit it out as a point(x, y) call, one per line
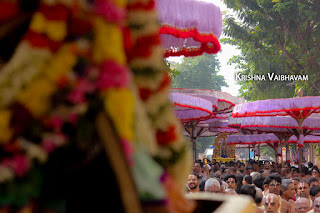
point(298, 108)
point(189, 27)
point(252, 139)
point(278, 123)
point(189, 108)
point(221, 126)
point(225, 101)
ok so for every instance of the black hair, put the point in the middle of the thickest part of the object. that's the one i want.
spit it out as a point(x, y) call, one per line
point(286, 163)
point(310, 164)
point(248, 179)
point(239, 179)
point(241, 164)
point(315, 168)
point(230, 176)
point(261, 171)
point(272, 171)
point(304, 170)
point(311, 179)
point(258, 180)
point(251, 162)
point(297, 170)
point(276, 177)
point(296, 178)
point(248, 190)
point(202, 183)
point(233, 169)
point(195, 174)
point(314, 190)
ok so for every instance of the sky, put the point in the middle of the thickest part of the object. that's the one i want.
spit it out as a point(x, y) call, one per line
point(227, 51)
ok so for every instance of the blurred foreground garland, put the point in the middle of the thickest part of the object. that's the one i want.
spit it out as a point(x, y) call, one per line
point(61, 76)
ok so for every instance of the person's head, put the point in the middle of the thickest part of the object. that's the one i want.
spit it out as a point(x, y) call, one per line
point(212, 185)
point(310, 164)
point(201, 183)
point(312, 181)
point(267, 165)
point(231, 181)
point(314, 192)
point(302, 205)
point(315, 172)
point(232, 170)
point(261, 166)
point(197, 167)
point(247, 180)
point(286, 166)
point(303, 189)
point(288, 189)
point(258, 181)
point(248, 190)
point(316, 205)
point(271, 204)
point(193, 181)
point(295, 181)
point(217, 165)
point(241, 167)
point(255, 166)
point(304, 171)
point(296, 172)
point(274, 185)
point(249, 170)
point(259, 196)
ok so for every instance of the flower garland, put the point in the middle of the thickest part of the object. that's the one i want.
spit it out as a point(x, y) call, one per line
point(47, 70)
point(146, 61)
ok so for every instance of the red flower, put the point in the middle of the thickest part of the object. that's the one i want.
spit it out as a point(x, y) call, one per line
point(145, 93)
point(41, 41)
point(57, 12)
point(19, 163)
point(113, 75)
point(166, 137)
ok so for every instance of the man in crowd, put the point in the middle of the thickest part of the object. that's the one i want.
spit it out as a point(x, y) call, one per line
point(231, 181)
point(267, 166)
point(302, 205)
point(271, 204)
point(314, 192)
point(212, 185)
point(304, 189)
point(273, 185)
point(197, 169)
point(288, 193)
point(316, 205)
point(193, 183)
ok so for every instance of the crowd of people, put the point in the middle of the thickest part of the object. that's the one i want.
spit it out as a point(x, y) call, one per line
point(274, 189)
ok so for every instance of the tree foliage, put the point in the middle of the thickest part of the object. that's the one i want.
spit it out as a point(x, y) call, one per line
point(199, 73)
point(279, 36)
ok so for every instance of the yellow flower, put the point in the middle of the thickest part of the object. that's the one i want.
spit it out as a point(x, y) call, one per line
point(60, 64)
point(38, 23)
point(36, 96)
point(119, 104)
point(5, 131)
point(56, 30)
point(108, 43)
point(120, 3)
